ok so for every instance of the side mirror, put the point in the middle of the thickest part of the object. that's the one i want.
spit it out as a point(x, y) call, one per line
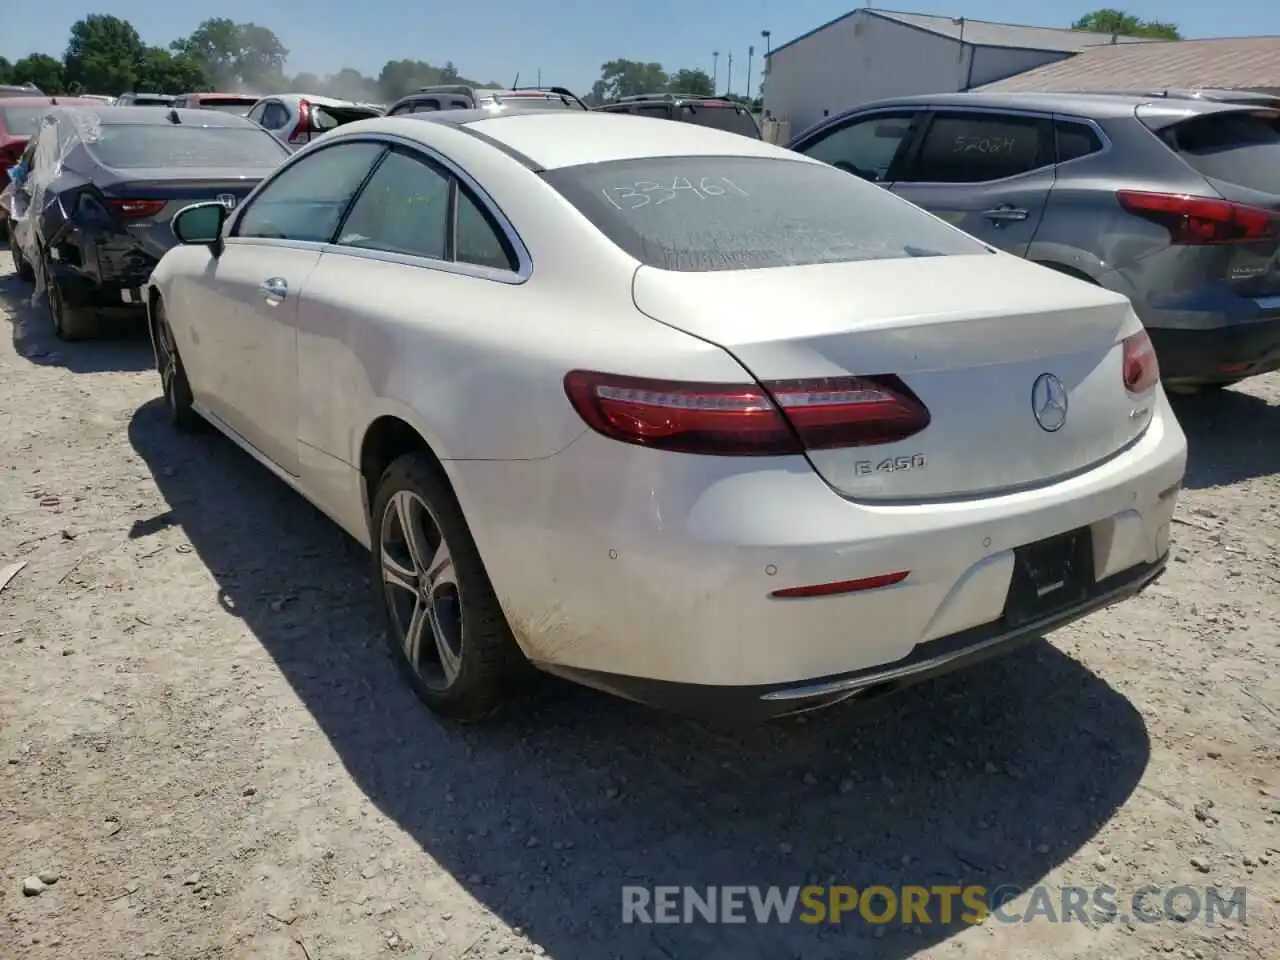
point(200, 225)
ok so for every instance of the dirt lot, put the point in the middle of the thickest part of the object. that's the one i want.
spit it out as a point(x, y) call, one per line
point(203, 741)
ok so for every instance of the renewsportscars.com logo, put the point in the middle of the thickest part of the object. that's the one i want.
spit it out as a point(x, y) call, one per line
point(940, 904)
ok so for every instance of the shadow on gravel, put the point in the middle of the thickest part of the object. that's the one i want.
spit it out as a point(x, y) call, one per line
point(122, 347)
point(1231, 437)
point(991, 777)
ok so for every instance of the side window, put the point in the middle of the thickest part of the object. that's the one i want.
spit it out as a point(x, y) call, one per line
point(477, 239)
point(307, 200)
point(427, 105)
point(864, 146)
point(1075, 140)
point(404, 208)
point(274, 116)
point(400, 108)
point(256, 113)
point(980, 147)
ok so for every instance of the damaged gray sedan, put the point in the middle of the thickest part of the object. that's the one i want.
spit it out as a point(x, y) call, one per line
point(96, 188)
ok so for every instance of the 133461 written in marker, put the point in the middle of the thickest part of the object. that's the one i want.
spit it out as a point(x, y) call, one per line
point(633, 196)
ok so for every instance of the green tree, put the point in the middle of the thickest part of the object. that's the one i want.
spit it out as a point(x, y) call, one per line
point(160, 71)
point(1117, 22)
point(236, 54)
point(103, 55)
point(42, 70)
point(399, 77)
point(306, 83)
point(349, 84)
point(628, 78)
point(5, 67)
point(694, 82)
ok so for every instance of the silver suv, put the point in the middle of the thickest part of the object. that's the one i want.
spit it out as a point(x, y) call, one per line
point(1173, 202)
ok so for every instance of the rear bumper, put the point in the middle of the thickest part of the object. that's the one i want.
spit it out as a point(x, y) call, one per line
point(629, 568)
point(929, 660)
point(1218, 354)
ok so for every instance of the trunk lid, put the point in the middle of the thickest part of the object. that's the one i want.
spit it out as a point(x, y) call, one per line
point(969, 335)
point(152, 233)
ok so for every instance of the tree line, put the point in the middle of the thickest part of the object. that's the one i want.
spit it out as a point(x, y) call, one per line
point(106, 55)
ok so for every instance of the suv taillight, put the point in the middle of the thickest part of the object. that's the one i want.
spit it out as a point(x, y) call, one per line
point(777, 418)
point(1201, 220)
point(1141, 370)
point(302, 132)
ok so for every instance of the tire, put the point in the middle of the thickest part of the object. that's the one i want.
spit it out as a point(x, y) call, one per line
point(24, 271)
point(173, 375)
point(442, 592)
point(68, 323)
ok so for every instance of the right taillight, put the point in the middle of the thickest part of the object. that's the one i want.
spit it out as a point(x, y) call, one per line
point(1201, 220)
point(747, 419)
point(1141, 370)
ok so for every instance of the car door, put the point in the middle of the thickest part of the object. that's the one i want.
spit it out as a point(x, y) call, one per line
point(870, 145)
point(417, 234)
point(987, 172)
point(243, 313)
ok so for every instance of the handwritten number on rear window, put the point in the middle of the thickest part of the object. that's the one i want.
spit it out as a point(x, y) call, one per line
point(642, 193)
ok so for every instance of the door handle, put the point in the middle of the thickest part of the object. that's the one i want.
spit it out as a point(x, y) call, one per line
point(1003, 214)
point(274, 290)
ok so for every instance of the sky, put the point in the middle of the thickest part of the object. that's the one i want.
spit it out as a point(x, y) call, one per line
point(567, 40)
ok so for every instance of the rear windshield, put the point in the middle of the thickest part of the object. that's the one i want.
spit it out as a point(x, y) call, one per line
point(226, 105)
point(144, 101)
point(326, 118)
point(1239, 148)
point(696, 214)
point(21, 121)
point(135, 145)
point(733, 119)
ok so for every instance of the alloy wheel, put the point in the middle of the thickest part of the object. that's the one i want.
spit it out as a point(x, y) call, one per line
point(420, 588)
point(166, 359)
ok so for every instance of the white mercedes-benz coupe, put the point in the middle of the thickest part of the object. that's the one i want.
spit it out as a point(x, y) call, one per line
point(676, 414)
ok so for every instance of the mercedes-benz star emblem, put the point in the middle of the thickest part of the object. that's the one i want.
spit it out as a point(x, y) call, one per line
point(1049, 402)
point(228, 200)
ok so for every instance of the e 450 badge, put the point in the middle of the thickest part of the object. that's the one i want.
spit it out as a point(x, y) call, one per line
point(864, 468)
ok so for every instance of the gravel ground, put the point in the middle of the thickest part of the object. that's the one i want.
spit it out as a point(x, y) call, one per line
point(203, 742)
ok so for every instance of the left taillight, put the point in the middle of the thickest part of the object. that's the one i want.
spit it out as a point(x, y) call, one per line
point(1140, 368)
point(776, 418)
point(129, 209)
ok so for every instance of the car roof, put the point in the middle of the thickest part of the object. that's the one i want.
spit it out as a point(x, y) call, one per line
point(314, 98)
point(211, 95)
point(1096, 105)
point(150, 116)
point(564, 138)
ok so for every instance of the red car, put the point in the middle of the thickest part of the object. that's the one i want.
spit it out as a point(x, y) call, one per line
point(19, 119)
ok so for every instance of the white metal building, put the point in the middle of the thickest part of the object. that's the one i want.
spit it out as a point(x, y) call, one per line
point(869, 54)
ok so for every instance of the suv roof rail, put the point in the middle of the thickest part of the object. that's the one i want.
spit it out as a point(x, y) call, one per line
point(563, 93)
point(458, 88)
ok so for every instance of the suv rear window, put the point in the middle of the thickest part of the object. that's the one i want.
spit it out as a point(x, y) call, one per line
point(1238, 148)
point(326, 118)
point(226, 105)
point(727, 117)
point(698, 214)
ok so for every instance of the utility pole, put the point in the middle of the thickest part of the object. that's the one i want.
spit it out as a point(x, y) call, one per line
point(539, 76)
point(715, 71)
point(728, 83)
point(751, 52)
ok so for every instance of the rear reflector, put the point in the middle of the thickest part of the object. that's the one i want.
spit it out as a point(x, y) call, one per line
point(1140, 367)
point(746, 419)
point(1201, 220)
point(137, 209)
point(840, 586)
